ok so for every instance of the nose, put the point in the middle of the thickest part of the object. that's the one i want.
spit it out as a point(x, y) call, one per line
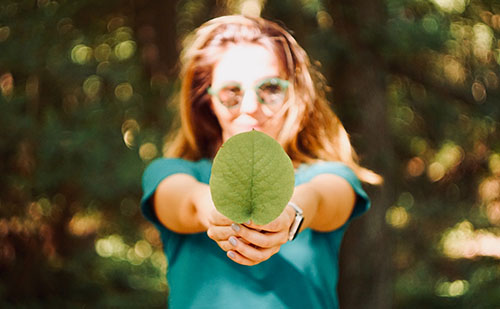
point(249, 103)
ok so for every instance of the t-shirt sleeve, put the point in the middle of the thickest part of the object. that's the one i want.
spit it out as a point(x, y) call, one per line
point(340, 169)
point(154, 174)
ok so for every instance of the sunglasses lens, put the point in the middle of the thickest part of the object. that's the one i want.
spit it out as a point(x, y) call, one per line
point(271, 92)
point(230, 95)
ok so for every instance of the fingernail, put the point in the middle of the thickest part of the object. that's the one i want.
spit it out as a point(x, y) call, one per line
point(235, 227)
point(231, 254)
point(233, 241)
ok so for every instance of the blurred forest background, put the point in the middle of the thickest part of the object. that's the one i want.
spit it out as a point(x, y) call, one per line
point(87, 96)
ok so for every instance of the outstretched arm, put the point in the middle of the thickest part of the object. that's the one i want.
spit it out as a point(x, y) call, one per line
point(183, 204)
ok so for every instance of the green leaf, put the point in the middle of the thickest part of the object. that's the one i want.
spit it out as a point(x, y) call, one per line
point(252, 178)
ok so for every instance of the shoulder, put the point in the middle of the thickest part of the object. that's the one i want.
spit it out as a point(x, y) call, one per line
point(306, 172)
point(161, 168)
point(170, 163)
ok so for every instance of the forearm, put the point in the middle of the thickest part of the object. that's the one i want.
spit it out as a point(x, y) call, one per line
point(182, 204)
point(308, 200)
point(327, 202)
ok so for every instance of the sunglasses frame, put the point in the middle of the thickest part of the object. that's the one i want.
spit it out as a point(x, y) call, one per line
point(215, 92)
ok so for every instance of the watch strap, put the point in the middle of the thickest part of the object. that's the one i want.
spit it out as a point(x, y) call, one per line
point(297, 222)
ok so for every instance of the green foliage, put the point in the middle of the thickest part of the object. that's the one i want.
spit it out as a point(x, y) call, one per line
point(72, 88)
point(252, 178)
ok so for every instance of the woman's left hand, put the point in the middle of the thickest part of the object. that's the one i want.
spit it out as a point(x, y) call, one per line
point(250, 244)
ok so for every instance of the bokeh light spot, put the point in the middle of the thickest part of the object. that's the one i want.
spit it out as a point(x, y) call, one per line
point(435, 171)
point(454, 70)
point(125, 50)
point(83, 223)
point(102, 52)
point(489, 189)
point(450, 155)
point(406, 200)
point(483, 39)
point(462, 241)
point(452, 289)
point(494, 164)
point(324, 20)
point(148, 151)
point(81, 54)
point(415, 167)
point(130, 129)
point(123, 34)
point(7, 85)
point(152, 236)
point(4, 33)
point(92, 86)
point(430, 24)
point(104, 248)
point(143, 249)
point(115, 23)
point(124, 92)
point(103, 67)
point(133, 258)
point(451, 6)
point(112, 246)
point(493, 212)
point(397, 217)
point(478, 92)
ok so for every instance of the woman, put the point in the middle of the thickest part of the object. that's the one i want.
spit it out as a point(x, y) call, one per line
point(241, 73)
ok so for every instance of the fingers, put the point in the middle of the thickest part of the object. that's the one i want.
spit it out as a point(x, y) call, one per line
point(258, 238)
point(241, 251)
point(273, 226)
point(261, 239)
point(248, 247)
point(246, 254)
point(248, 244)
point(240, 259)
point(281, 223)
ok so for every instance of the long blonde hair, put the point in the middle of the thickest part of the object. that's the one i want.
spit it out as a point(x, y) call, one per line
point(311, 131)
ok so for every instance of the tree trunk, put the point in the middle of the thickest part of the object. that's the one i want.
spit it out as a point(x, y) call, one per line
point(359, 81)
point(155, 23)
point(155, 27)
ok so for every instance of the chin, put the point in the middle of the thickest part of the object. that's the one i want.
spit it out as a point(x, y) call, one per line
point(239, 130)
point(247, 129)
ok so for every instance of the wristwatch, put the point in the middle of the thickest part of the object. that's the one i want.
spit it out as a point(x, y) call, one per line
point(297, 222)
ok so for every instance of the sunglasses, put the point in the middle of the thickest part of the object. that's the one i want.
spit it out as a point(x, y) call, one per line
point(270, 91)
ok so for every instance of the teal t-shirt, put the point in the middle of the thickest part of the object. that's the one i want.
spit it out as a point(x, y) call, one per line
point(303, 274)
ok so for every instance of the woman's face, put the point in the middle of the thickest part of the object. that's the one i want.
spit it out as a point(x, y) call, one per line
point(247, 92)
